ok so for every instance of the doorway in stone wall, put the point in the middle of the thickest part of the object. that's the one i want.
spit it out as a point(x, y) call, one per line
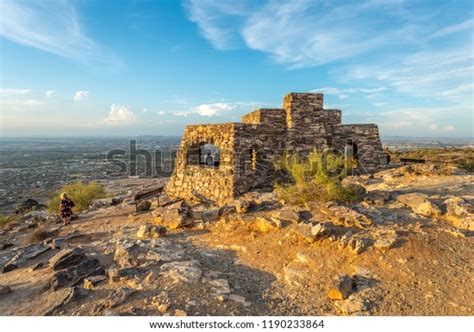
point(355, 151)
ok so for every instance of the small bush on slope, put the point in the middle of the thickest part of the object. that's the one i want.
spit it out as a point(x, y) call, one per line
point(315, 178)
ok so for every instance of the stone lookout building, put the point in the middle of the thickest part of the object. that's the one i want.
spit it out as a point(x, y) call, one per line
point(223, 161)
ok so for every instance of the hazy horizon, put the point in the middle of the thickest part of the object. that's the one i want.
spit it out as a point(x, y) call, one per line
point(382, 137)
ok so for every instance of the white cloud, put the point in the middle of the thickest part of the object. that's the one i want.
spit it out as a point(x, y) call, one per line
point(52, 26)
point(80, 95)
point(10, 92)
point(214, 109)
point(119, 115)
point(20, 104)
point(18, 100)
point(218, 108)
point(161, 113)
point(50, 93)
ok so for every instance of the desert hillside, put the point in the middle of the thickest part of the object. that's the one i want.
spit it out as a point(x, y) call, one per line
point(406, 249)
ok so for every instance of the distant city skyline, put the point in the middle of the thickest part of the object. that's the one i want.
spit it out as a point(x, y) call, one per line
point(102, 68)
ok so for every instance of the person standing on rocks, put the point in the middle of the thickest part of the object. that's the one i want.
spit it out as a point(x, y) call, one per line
point(65, 207)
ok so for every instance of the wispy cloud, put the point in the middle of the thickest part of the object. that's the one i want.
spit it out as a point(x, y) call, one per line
point(18, 100)
point(445, 31)
point(13, 92)
point(344, 93)
point(52, 26)
point(381, 46)
point(80, 95)
point(217, 20)
point(20, 104)
point(444, 74)
point(304, 33)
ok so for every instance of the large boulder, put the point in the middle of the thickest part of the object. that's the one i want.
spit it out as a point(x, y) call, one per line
point(128, 254)
point(176, 215)
point(460, 213)
point(340, 288)
point(288, 214)
point(23, 255)
point(67, 258)
point(75, 275)
point(149, 231)
point(419, 203)
point(71, 266)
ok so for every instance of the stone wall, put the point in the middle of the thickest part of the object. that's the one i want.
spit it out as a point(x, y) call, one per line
point(255, 148)
point(370, 150)
point(275, 117)
point(216, 183)
point(248, 148)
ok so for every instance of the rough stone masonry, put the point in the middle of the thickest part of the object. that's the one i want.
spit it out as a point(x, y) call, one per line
point(223, 161)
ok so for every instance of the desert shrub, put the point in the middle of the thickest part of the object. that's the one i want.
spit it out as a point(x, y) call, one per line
point(467, 164)
point(81, 194)
point(318, 177)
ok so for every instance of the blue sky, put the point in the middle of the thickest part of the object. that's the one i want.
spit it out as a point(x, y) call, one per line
point(152, 67)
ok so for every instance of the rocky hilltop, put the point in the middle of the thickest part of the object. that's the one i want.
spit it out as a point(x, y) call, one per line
point(406, 249)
